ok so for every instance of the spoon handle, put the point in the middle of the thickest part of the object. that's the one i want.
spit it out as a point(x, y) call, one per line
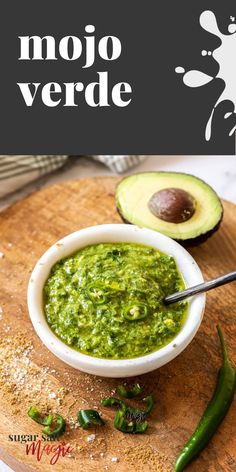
point(200, 288)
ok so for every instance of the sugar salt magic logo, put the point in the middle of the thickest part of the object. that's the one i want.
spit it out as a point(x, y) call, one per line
point(53, 451)
point(46, 446)
point(71, 48)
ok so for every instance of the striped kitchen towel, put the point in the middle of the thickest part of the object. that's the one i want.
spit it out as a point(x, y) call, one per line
point(17, 171)
point(120, 164)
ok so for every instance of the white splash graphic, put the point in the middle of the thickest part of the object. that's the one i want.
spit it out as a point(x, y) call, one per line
point(225, 56)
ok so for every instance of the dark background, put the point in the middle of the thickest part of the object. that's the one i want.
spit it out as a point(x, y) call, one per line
point(164, 117)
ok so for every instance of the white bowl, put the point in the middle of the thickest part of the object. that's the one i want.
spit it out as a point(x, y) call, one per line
point(114, 233)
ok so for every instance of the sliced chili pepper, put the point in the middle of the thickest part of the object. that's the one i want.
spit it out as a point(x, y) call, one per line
point(57, 427)
point(214, 413)
point(126, 426)
point(128, 419)
point(141, 427)
point(97, 293)
point(34, 414)
point(54, 423)
point(136, 312)
point(122, 424)
point(87, 418)
point(133, 392)
point(114, 253)
point(113, 401)
point(149, 400)
point(138, 414)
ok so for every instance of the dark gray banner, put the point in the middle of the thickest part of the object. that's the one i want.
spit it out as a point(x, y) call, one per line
point(109, 77)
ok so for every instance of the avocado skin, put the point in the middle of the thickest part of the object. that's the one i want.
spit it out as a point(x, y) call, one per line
point(190, 242)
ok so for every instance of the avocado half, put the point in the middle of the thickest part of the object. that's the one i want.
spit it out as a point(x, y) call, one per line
point(178, 205)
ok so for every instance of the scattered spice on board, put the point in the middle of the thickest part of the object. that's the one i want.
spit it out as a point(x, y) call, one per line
point(91, 437)
point(21, 379)
point(142, 455)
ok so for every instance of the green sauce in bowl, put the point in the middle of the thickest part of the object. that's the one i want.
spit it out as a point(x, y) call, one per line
point(106, 300)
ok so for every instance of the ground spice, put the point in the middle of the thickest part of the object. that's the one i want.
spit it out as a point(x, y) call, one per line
point(143, 455)
point(21, 379)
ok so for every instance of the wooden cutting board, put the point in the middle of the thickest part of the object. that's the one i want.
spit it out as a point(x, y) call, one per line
point(30, 374)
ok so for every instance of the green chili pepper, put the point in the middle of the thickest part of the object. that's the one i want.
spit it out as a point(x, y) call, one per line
point(214, 413)
point(133, 392)
point(149, 400)
point(128, 419)
point(141, 427)
point(87, 418)
point(136, 312)
point(121, 423)
point(114, 253)
point(54, 423)
point(57, 427)
point(113, 401)
point(126, 426)
point(97, 293)
point(138, 414)
point(34, 414)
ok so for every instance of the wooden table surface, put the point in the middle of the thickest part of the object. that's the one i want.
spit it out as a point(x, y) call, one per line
point(30, 374)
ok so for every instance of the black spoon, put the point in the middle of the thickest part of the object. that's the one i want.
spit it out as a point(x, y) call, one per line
point(200, 288)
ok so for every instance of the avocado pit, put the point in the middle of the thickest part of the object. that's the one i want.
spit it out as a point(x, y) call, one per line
point(173, 205)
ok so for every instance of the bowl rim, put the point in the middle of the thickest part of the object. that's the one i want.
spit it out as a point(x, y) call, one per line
point(105, 233)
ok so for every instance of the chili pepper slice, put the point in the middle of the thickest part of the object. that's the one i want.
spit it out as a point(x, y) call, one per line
point(122, 424)
point(114, 253)
point(133, 392)
point(141, 427)
point(87, 418)
point(135, 412)
point(125, 426)
point(149, 400)
point(214, 413)
point(57, 427)
point(34, 414)
point(97, 293)
point(54, 423)
point(113, 401)
point(138, 414)
point(136, 312)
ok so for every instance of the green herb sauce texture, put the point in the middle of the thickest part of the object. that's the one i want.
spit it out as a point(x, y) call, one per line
point(106, 300)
